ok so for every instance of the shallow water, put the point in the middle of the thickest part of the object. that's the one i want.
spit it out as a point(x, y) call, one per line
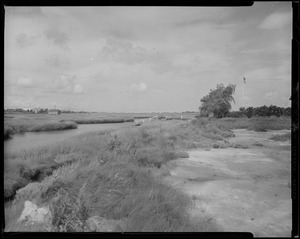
point(36, 139)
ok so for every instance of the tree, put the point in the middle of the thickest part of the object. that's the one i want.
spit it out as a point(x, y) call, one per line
point(262, 111)
point(274, 110)
point(287, 111)
point(249, 112)
point(218, 101)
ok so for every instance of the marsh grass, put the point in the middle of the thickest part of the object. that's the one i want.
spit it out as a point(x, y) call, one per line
point(21, 128)
point(281, 137)
point(259, 124)
point(53, 126)
point(115, 174)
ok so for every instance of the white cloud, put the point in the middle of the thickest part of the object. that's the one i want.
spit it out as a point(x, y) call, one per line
point(276, 21)
point(186, 50)
point(138, 87)
point(78, 89)
point(278, 71)
point(123, 51)
point(271, 95)
point(23, 40)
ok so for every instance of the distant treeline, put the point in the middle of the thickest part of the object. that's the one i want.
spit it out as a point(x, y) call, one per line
point(272, 110)
point(184, 112)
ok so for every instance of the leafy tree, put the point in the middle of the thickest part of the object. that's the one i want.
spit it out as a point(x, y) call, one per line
point(249, 112)
point(287, 111)
point(218, 101)
point(274, 110)
point(262, 111)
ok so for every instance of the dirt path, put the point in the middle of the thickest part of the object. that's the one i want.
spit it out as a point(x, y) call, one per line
point(246, 190)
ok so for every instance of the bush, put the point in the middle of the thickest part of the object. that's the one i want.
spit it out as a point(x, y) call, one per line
point(182, 155)
point(8, 131)
point(150, 157)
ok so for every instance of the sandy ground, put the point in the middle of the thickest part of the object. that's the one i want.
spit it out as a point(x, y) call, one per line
point(244, 190)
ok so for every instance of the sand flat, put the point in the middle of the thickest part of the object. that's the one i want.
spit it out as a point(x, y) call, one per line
point(245, 190)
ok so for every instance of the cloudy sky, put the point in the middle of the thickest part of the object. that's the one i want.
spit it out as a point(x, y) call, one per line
point(146, 59)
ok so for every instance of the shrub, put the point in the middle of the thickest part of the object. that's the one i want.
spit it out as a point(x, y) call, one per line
point(8, 131)
point(150, 157)
point(182, 155)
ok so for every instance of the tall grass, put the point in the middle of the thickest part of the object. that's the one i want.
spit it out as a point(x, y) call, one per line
point(109, 174)
point(53, 126)
point(118, 190)
point(13, 129)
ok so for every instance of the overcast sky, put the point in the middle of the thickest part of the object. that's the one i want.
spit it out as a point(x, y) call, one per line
point(146, 59)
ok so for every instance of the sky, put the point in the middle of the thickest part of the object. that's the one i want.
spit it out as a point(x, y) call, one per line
point(146, 59)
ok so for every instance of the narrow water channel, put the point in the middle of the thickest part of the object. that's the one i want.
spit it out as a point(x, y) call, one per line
point(30, 140)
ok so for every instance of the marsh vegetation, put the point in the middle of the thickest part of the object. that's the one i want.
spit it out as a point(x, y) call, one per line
point(117, 174)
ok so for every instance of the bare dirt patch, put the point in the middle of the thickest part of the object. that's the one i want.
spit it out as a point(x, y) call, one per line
point(245, 190)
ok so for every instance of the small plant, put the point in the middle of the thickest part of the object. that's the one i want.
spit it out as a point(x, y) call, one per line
point(258, 144)
point(182, 155)
point(240, 146)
